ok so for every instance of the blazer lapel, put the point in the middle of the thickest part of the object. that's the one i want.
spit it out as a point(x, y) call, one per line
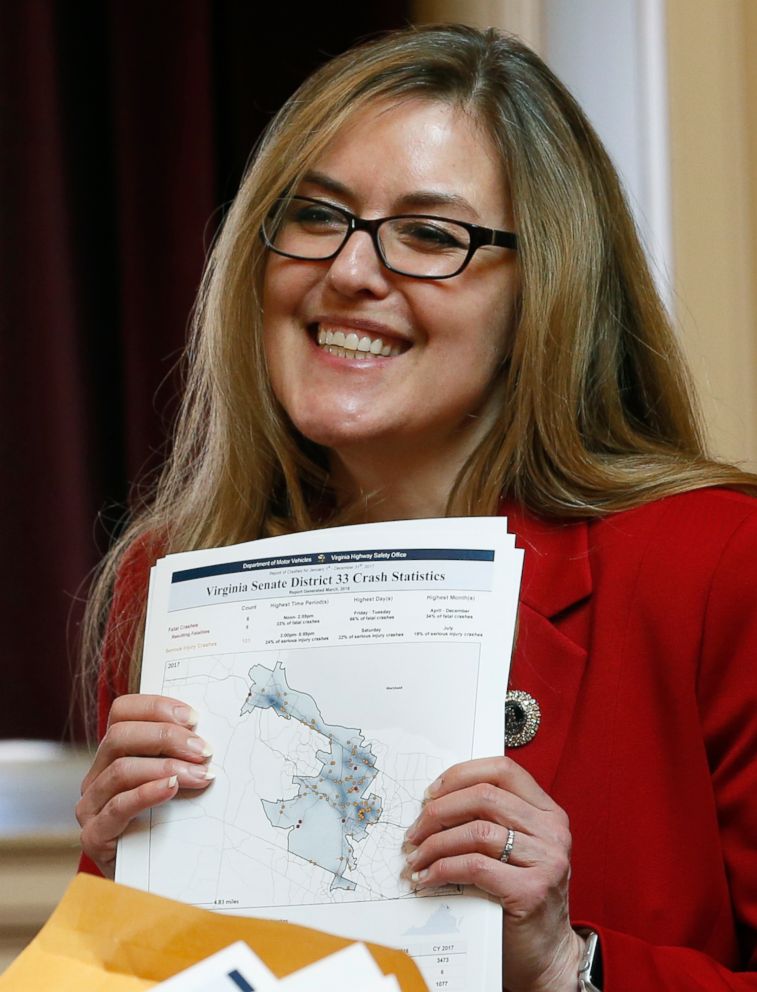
point(551, 641)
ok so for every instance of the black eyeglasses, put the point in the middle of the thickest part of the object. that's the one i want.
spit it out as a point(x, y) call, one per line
point(419, 245)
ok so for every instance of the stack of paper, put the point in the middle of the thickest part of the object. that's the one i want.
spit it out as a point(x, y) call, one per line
point(337, 673)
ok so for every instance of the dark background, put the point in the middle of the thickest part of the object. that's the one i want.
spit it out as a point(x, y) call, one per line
point(124, 128)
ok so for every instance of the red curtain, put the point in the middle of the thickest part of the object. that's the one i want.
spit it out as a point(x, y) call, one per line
point(125, 126)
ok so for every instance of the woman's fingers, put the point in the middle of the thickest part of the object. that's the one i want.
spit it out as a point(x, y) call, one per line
point(146, 739)
point(477, 837)
point(471, 855)
point(480, 802)
point(100, 833)
point(128, 773)
point(496, 790)
point(534, 873)
point(151, 708)
point(499, 771)
point(476, 869)
point(462, 831)
point(153, 740)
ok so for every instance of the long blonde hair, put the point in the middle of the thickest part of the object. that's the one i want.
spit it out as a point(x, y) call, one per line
point(597, 412)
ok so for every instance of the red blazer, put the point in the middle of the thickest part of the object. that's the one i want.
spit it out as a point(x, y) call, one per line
point(637, 635)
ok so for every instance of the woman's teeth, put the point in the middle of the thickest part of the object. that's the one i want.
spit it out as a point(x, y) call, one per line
point(351, 345)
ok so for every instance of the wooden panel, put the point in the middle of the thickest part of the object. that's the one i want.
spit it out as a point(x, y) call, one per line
point(749, 50)
point(712, 186)
point(39, 838)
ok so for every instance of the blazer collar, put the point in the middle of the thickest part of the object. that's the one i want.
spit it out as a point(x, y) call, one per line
point(548, 663)
point(556, 571)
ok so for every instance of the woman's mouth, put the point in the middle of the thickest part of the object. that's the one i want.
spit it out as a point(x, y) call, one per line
point(346, 343)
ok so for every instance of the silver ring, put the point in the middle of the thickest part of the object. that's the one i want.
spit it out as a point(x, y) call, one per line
point(508, 848)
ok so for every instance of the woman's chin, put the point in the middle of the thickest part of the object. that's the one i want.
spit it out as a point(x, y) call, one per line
point(342, 436)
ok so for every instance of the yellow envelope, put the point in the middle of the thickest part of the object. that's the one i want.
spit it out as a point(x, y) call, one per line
point(105, 937)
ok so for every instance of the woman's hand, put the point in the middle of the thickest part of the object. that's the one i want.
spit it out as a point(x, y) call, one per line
point(460, 837)
point(149, 752)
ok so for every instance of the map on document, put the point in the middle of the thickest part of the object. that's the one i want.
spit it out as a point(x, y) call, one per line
point(337, 750)
point(332, 807)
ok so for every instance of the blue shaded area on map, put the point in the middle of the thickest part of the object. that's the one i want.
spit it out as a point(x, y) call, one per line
point(332, 806)
point(440, 921)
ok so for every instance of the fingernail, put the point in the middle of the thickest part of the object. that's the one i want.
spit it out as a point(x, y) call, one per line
point(186, 715)
point(199, 746)
point(412, 857)
point(419, 876)
point(201, 773)
point(432, 790)
point(410, 833)
point(172, 781)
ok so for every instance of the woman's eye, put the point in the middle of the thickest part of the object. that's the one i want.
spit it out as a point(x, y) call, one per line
point(315, 217)
point(429, 236)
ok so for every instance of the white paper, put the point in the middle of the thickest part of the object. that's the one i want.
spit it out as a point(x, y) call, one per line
point(336, 674)
point(352, 967)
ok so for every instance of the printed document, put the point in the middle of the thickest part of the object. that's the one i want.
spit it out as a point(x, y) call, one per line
point(337, 673)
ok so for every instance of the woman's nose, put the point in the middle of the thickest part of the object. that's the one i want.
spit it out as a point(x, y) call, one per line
point(358, 268)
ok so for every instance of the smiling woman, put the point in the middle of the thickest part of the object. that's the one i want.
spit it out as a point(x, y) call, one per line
point(415, 415)
point(429, 298)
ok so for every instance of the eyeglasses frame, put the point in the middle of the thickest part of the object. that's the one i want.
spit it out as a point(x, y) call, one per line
point(480, 237)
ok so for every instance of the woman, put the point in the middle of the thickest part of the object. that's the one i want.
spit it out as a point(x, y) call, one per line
point(429, 298)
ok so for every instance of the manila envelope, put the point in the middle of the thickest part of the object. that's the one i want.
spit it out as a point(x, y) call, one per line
point(104, 937)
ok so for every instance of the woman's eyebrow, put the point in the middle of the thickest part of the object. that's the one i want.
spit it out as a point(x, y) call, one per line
point(428, 199)
point(414, 200)
point(328, 184)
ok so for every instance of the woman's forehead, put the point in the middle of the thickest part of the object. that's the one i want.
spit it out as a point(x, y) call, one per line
point(417, 151)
